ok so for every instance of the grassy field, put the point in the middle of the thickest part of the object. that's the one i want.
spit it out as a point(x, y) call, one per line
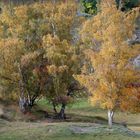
point(83, 122)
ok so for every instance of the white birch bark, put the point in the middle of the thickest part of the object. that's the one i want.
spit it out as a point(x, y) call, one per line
point(110, 118)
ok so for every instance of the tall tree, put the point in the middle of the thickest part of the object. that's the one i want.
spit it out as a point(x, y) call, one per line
point(63, 63)
point(111, 61)
point(22, 30)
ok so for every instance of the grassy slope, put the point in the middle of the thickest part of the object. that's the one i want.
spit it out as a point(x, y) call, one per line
point(83, 109)
point(63, 131)
point(82, 124)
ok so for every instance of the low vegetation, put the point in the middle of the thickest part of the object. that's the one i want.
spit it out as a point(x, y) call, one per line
point(89, 123)
point(65, 73)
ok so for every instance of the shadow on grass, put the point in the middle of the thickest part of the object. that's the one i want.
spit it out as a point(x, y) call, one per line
point(86, 119)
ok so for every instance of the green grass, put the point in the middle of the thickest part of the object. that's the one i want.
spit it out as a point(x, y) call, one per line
point(63, 131)
point(81, 110)
point(83, 122)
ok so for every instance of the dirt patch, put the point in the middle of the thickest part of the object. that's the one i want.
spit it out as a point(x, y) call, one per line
point(102, 129)
point(83, 129)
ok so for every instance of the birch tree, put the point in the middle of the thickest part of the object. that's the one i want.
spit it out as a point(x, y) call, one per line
point(111, 61)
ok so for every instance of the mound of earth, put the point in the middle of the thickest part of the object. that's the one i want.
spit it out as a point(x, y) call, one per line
point(101, 129)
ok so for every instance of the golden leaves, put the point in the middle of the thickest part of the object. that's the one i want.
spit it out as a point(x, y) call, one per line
point(21, 12)
point(52, 69)
point(10, 52)
point(111, 61)
point(28, 58)
point(130, 100)
point(10, 47)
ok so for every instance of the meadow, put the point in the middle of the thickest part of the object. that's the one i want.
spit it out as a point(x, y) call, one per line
point(83, 122)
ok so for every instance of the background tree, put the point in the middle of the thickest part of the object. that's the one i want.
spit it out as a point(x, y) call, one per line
point(112, 59)
point(63, 63)
point(29, 24)
point(126, 5)
point(92, 6)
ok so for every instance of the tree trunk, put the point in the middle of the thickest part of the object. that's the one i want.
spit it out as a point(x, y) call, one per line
point(121, 5)
point(62, 112)
point(110, 118)
point(25, 105)
point(54, 108)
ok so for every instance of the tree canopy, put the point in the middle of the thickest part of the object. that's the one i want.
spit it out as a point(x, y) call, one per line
point(111, 59)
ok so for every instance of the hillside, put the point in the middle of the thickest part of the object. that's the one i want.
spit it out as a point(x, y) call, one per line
point(83, 121)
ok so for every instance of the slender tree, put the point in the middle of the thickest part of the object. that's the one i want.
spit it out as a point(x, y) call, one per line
point(111, 61)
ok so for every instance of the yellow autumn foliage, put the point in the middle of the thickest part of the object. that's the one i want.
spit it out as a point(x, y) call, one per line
point(105, 36)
